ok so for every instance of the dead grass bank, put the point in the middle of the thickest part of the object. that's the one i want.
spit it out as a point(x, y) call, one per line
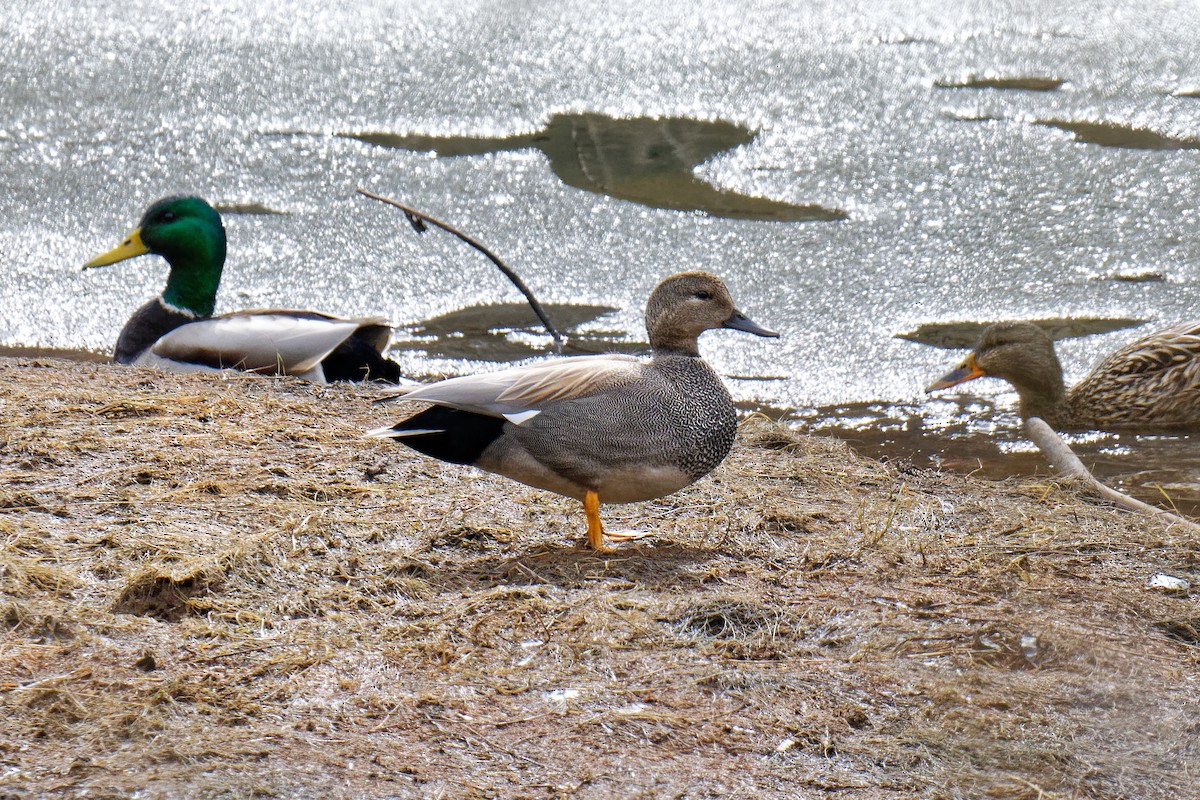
point(212, 587)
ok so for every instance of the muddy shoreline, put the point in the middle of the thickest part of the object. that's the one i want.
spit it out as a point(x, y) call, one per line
point(969, 436)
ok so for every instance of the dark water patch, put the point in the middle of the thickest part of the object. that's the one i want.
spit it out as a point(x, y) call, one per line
point(969, 116)
point(1114, 134)
point(252, 209)
point(1027, 83)
point(483, 319)
point(1106, 134)
point(647, 160)
point(1143, 276)
point(971, 435)
point(961, 335)
point(905, 39)
point(86, 356)
point(447, 146)
point(511, 331)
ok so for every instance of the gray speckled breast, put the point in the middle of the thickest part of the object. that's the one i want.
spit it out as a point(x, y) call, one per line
point(703, 415)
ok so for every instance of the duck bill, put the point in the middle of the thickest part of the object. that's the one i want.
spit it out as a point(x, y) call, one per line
point(740, 322)
point(130, 248)
point(968, 371)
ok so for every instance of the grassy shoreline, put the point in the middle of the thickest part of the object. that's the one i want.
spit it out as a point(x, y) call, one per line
point(212, 586)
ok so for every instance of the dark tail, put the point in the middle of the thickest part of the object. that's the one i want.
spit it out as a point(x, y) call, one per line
point(356, 359)
point(449, 434)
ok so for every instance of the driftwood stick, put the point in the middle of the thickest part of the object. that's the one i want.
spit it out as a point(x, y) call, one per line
point(1063, 459)
point(417, 220)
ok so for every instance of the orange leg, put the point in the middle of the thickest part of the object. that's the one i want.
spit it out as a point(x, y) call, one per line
point(591, 507)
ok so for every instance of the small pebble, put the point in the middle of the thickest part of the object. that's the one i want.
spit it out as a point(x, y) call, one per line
point(1168, 583)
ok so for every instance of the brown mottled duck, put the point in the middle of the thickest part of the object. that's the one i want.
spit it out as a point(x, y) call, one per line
point(1151, 384)
point(601, 429)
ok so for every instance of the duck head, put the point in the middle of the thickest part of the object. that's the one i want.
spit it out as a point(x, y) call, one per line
point(1019, 352)
point(187, 232)
point(687, 304)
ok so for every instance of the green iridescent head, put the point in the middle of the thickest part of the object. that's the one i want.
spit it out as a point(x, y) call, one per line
point(188, 233)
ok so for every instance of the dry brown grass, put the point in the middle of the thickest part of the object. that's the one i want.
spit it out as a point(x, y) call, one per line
point(213, 587)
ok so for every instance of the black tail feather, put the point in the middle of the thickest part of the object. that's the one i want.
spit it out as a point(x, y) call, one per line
point(356, 359)
point(459, 437)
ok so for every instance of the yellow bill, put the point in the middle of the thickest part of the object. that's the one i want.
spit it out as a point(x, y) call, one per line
point(132, 246)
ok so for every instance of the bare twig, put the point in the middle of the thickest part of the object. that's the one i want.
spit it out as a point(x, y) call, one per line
point(418, 219)
point(1063, 459)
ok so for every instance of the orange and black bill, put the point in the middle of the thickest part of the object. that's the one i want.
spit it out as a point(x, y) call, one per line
point(966, 371)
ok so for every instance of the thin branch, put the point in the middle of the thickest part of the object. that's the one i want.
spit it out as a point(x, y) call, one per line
point(418, 219)
point(1063, 459)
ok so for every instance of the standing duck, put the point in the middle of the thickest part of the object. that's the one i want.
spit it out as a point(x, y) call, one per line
point(176, 331)
point(601, 429)
point(1150, 384)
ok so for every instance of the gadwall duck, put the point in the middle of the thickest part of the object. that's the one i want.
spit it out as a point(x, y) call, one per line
point(1150, 384)
point(176, 331)
point(601, 429)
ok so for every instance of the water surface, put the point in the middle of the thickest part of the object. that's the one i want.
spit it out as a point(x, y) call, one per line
point(1033, 210)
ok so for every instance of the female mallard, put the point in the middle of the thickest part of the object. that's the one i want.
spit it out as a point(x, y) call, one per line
point(177, 332)
point(1151, 384)
point(610, 428)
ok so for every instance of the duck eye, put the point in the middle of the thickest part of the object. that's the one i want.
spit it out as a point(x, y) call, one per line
point(168, 216)
point(702, 295)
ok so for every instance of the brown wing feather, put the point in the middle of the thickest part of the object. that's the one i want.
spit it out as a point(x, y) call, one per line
point(1153, 381)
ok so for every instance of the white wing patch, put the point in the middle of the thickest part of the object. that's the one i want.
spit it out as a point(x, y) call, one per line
point(271, 342)
point(523, 417)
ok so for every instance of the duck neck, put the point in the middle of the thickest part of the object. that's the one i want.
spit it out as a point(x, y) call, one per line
point(1048, 402)
point(675, 350)
point(674, 346)
point(195, 275)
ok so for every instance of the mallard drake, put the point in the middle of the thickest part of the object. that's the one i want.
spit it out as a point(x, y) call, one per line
point(601, 429)
point(176, 331)
point(1150, 384)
